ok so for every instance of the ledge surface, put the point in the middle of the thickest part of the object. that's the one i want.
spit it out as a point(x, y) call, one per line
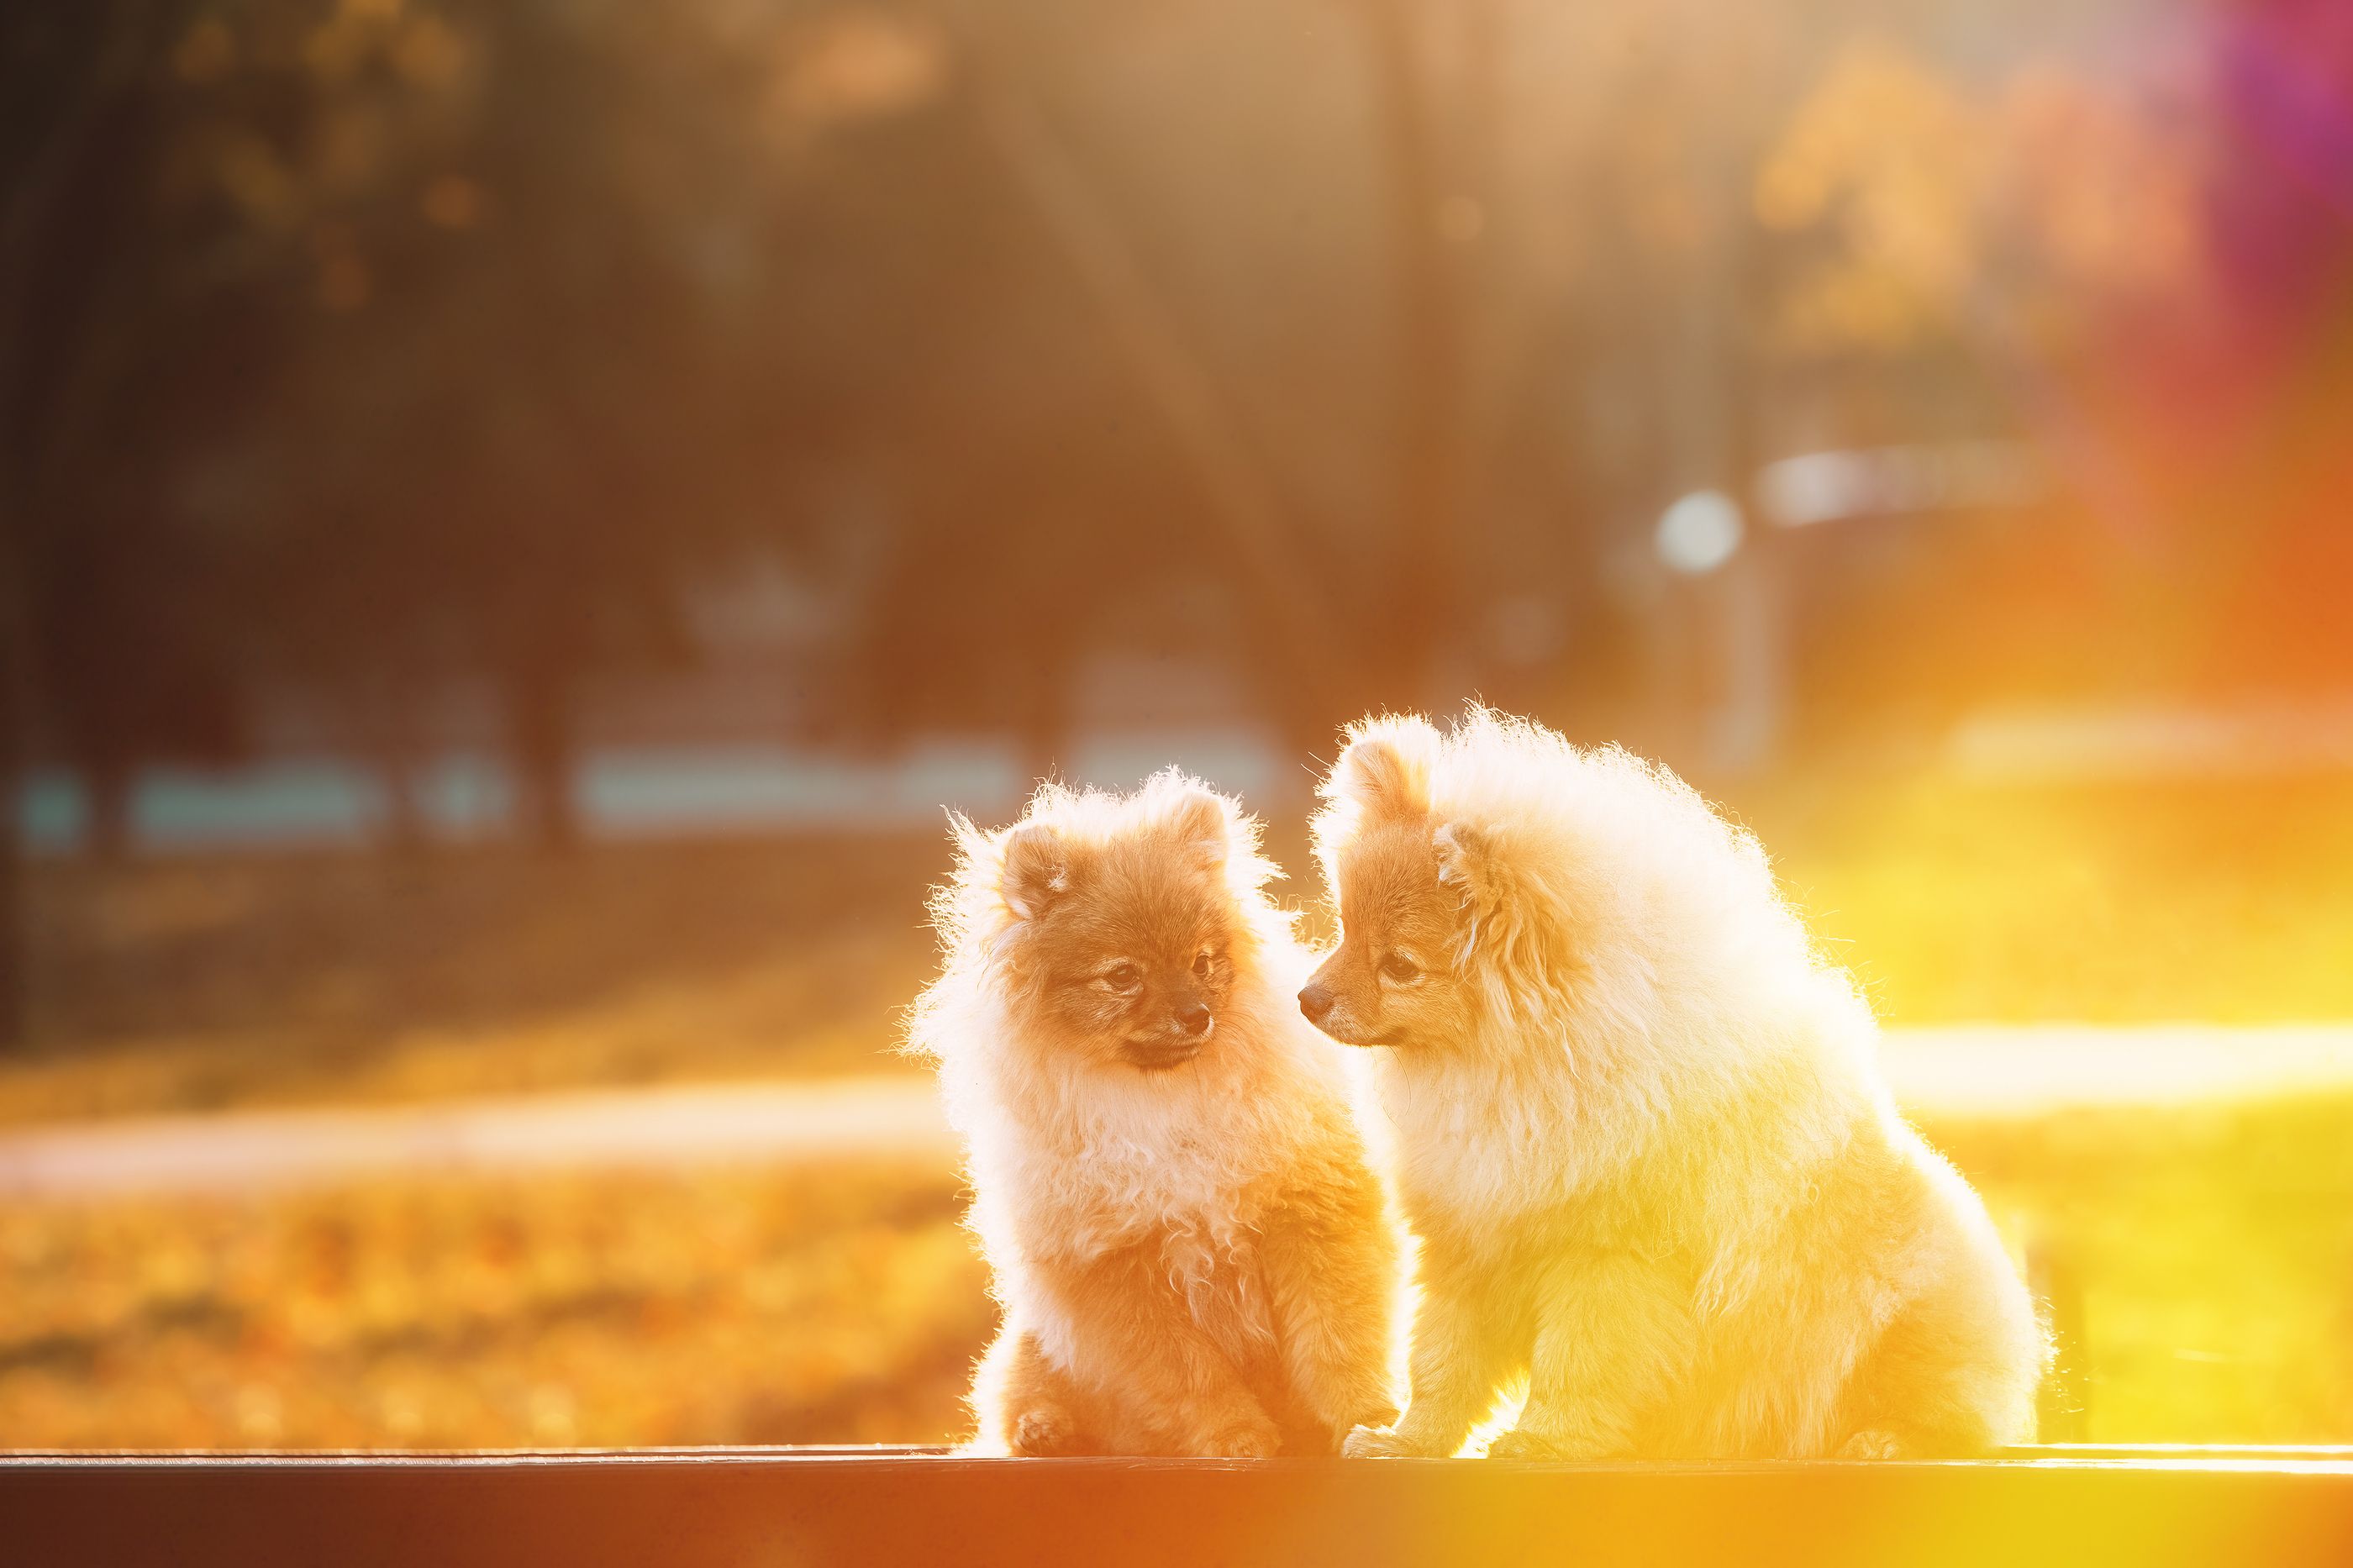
point(744, 1507)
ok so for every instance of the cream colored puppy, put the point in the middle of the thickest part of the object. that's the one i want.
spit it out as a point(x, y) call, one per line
point(1640, 1132)
point(1193, 1252)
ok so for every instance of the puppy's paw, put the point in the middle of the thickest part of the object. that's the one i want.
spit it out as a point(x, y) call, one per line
point(1379, 1442)
point(1872, 1443)
point(1044, 1433)
point(1373, 1419)
point(1248, 1440)
point(1521, 1444)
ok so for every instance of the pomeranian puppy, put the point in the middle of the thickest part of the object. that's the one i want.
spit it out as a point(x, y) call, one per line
point(1640, 1131)
point(1192, 1253)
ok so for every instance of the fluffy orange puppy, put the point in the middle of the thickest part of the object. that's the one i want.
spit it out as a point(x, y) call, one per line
point(1192, 1253)
point(1640, 1131)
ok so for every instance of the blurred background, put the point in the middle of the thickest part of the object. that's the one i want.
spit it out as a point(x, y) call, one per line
point(517, 517)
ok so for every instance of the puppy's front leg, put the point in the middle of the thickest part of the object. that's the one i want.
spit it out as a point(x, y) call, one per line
point(1460, 1359)
point(1613, 1337)
point(1332, 1273)
point(1147, 1351)
point(1026, 1403)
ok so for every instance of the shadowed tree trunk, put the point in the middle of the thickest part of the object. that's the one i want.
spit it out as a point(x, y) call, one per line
point(1424, 601)
point(82, 63)
point(110, 770)
point(539, 717)
point(105, 790)
point(542, 657)
point(15, 980)
point(395, 747)
point(1045, 723)
point(1423, 606)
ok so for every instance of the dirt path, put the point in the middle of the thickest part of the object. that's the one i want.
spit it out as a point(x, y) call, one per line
point(894, 1118)
point(1974, 1070)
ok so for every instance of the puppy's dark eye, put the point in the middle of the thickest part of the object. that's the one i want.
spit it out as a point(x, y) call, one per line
point(1123, 976)
point(1203, 962)
point(1396, 967)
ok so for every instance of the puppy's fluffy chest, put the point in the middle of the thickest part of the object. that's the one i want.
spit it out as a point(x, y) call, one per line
point(1129, 1162)
point(1182, 1178)
point(1476, 1142)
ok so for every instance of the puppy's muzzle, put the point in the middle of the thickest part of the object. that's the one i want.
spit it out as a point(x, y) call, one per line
point(1175, 1042)
point(1321, 1004)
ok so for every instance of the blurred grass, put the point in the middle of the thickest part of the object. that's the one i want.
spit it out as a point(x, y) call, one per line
point(2211, 1249)
point(197, 983)
point(838, 1306)
point(209, 982)
point(2223, 901)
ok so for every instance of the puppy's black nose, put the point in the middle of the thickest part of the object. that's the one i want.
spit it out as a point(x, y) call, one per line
point(1194, 1020)
point(1316, 1003)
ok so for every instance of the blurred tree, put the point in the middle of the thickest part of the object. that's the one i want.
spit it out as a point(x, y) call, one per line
point(76, 106)
point(449, 336)
point(361, 343)
point(503, 415)
point(2128, 266)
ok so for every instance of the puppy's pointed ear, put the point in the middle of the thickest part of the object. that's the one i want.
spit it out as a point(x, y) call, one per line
point(1508, 921)
point(1385, 771)
point(1203, 821)
point(1036, 871)
point(1467, 861)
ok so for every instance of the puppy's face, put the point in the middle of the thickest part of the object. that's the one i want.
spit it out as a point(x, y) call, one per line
point(1130, 946)
point(1396, 874)
point(1393, 980)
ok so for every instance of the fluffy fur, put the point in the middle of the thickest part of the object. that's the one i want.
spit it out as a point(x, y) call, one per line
point(1191, 1250)
point(1640, 1132)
